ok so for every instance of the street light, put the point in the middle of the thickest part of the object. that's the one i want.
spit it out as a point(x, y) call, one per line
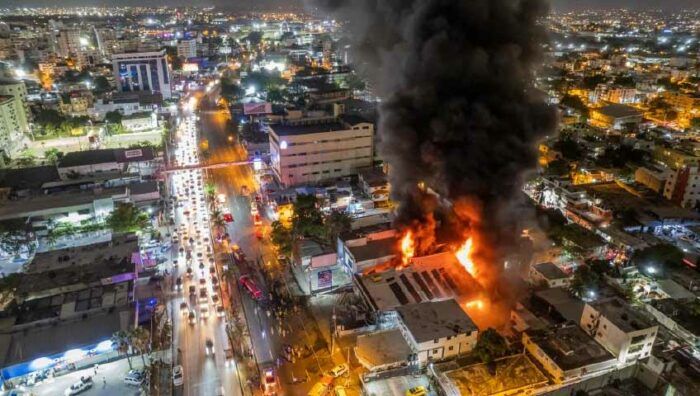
point(651, 270)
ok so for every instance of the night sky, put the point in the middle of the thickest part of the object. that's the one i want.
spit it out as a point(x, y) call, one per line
point(268, 4)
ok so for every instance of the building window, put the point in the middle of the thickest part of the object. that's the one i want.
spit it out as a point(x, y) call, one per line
point(435, 351)
point(451, 348)
point(436, 340)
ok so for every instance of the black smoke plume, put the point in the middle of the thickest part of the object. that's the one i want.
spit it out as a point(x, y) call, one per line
point(459, 112)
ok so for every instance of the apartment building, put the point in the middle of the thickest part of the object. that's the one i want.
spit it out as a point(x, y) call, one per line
point(682, 186)
point(13, 123)
point(310, 150)
point(187, 49)
point(624, 332)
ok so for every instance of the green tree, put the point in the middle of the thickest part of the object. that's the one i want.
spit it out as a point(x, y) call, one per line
point(585, 281)
point(659, 257)
point(307, 220)
point(140, 341)
point(122, 342)
point(210, 190)
point(490, 346)
point(282, 237)
point(575, 103)
point(102, 85)
point(126, 217)
point(569, 148)
point(114, 117)
point(695, 122)
point(336, 224)
point(53, 155)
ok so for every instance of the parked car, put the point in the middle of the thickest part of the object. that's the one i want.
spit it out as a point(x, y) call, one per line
point(417, 391)
point(338, 370)
point(134, 377)
point(81, 386)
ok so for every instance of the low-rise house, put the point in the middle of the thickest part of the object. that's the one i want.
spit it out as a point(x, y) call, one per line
point(567, 353)
point(548, 274)
point(437, 330)
point(139, 161)
point(383, 350)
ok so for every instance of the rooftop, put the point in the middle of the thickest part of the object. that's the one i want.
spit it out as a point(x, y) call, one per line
point(437, 319)
point(510, 374)
point(296, 129)
point(92, 157)
point(622, 314)
point(436, 278)
point(382, 348)
point(570, 347)
point(550, 271)
point(569, 307)
point(374, 249)
point(679, 312)
point(617, 110)
point(28, 178)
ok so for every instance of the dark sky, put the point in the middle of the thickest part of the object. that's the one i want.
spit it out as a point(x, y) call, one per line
point(266, 4)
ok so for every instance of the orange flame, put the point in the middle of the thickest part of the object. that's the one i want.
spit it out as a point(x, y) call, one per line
point(478, 304)
point(408, 248)
point(464, 256)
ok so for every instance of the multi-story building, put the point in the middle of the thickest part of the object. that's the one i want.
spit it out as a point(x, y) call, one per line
point(68, 43)
point(12, 123)
point(18, 90)
point(549, 275)
point(624, 332)
point(142, 71)
point(309, 150)
point(437, 330)
point(683, 186)
point(187, 49)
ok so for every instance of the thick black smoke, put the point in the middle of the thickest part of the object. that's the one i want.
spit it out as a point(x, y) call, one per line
point(458, 111)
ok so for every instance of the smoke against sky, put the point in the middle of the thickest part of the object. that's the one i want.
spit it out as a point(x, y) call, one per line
point(458, 110)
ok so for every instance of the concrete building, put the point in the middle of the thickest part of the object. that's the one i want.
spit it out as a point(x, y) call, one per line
point(357, 253)
point(548, 274)
point(624, 332)
point(140, 162)
point(68, 43)
point(13, 123)
point(437, 330)
point(615, 116)
point(567, 353)
point(126, 103)
point(651, 177)
point(18, 90)
point(142, 71)
point(139, 122)
point(676, 316)
point(306, 150)
point(383, 350)
point(682, 187)
point(187, 48)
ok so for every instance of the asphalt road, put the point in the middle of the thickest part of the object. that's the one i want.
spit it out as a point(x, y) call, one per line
point(204, 374)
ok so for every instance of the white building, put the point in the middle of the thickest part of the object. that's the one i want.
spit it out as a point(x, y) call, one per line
point(683, 186)
point(139, 122)
point(142, 71)
point(548, 274)
point(624, 332)
point(12, 124)
point(306, 151)
point(126, 103)
point(437, 330)
point(139, 162)
point(187, 49)
point(68, 43)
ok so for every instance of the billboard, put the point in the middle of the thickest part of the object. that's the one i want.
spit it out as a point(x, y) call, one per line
point(257, 108)
point(325, 279)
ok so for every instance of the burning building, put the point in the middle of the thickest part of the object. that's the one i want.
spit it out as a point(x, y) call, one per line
point(459, 120)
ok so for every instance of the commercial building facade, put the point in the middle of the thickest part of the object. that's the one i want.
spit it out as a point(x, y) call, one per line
point(308, 151)
point(142, 71)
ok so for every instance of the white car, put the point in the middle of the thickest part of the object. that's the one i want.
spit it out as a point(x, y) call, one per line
point(338, 370)
point(178, 376)
point(79, 387)
point(134, 377)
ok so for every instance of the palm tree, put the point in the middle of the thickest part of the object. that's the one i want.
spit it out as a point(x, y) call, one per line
point(121, 339)
point(140, 341)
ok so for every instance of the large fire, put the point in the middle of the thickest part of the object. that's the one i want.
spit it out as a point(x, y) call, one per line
point(464, 256)
point(408, 248)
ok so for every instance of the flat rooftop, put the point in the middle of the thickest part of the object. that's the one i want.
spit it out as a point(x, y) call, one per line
point(23, 207)
point(550, 271)
point(570, 347)
point(679, 312)
point(382, 348)
point(435, 319)
point(295, 129)
point(511, 374)
point(375, 249)
point(431, 278)
point(48, 340)
point(622, 314)
point(569, 307)
point(617, 110)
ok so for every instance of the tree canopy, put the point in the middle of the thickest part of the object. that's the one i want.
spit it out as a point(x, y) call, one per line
point(126, 217)
point(490, 346)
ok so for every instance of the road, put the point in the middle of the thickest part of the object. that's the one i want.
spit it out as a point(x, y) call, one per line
point(204, 373)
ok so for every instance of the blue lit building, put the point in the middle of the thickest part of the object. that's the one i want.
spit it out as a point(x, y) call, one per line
point(142, 71)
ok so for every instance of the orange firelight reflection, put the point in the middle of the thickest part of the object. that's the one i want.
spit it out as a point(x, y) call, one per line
point(478, 304)
point(464, 256)
point(408, 248)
